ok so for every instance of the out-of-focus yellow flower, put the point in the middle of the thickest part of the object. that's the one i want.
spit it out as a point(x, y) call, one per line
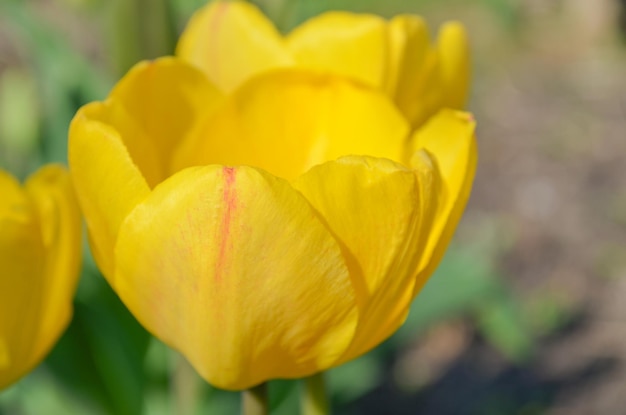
point(273, 233)
point(232, 40)
point(40, 250)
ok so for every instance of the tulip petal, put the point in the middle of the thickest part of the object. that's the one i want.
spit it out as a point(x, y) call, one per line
point(52, 194)
point(22, 260)
point(381, 211)
point(453, 50)
point(107, 181)
point(162, 102)
point(418, 90)
point(449, 137)
point(5, 360)
point(230, 41)
point(408, 46)
point(233, 267)
point(349, 44)
point(39, 258)
point(287, 121)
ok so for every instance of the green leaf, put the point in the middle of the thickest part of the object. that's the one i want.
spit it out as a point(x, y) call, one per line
point(101, 356)
point(284, 397)
point(354, 378)
point(460, 283)
point(502, 323)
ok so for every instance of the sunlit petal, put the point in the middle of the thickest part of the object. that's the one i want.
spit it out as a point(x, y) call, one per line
point(157, 105)
point(344, 43)
point(231, 41)
point(287, 121)
point(381, 211)
point(107, 181)
point(449, 137)
point(234, 268)
point(453, 50)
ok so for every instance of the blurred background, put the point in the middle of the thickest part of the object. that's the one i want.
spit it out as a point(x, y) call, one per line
point(526, 314)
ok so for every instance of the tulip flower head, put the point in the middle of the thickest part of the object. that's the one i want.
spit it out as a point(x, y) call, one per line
point(40, 250)
point(231, 41)
point(275, 225)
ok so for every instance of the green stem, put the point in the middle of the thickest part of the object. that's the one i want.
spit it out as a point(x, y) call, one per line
point(254, 401)
point(314, 400)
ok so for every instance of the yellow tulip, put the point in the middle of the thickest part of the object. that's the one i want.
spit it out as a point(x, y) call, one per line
point(272, 233)
point(40, 241)
point(232, 40)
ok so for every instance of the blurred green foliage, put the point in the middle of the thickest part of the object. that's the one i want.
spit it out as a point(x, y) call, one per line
point(289, 13)
point(106, 363)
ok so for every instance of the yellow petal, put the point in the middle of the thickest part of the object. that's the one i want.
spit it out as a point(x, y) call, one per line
point(381, 212)
point(353, 45)
point(52, 194)
point(453, 50)
point(22, 260)
point(107, 181)
point(231, 41)
point(408, 45)
point(449, 138)
point(5, 361)
point(287, 121)
point(418, 90)
point(233, 267)
point(155, 107)
point(39, 258)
